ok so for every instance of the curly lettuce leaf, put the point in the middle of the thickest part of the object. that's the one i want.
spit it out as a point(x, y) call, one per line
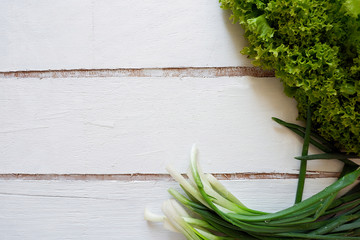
point(353, 7)
point(314, 48)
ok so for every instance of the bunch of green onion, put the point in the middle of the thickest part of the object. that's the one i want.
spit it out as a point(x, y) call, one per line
point(210, 212)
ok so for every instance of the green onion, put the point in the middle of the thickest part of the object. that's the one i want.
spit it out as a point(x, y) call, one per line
point(305, 149)
point(214, 213)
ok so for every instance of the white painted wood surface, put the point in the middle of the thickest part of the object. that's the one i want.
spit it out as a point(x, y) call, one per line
point(138, 125)
point(127, 122)
point(51, 34)
point(114, 210)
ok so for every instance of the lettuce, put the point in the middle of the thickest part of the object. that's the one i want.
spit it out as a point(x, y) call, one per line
point(314, 48)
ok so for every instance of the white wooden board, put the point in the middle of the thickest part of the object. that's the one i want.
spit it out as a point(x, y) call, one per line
point(114, 210)
point(51, 34)
point(151, 90)
point(138, 125)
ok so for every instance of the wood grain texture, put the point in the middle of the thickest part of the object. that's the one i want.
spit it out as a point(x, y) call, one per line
point(89, 210)
point(138, 125)
point(97, 96)
point(205, 72)
point(93, 34)
point(159, 176)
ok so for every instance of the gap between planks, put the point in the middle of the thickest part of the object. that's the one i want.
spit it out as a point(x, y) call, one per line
point(205, 72)
point(157, 177)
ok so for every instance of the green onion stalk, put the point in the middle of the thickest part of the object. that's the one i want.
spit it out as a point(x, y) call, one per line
point(206, 210)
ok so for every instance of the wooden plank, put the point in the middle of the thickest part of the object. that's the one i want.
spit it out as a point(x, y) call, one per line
point(91, 34)
point(114, 210)
point(138, 125)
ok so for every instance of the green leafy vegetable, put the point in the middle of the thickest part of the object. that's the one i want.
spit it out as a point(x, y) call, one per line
point(314, 48)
